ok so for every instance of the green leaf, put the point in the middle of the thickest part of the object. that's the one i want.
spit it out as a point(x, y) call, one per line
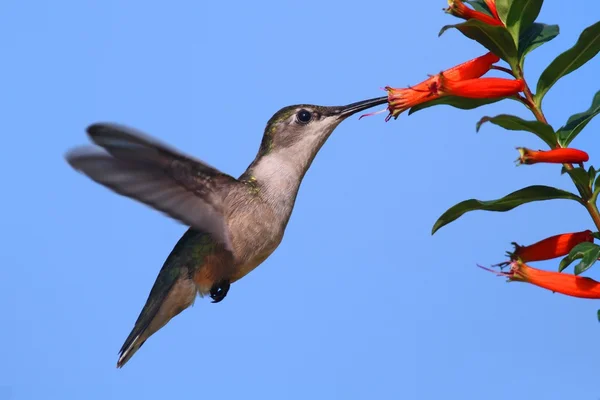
point(588, 260)
point(503, 6)
point(535, 36)
point(513, 123)
point(515, 199)
point(596, 191)
point(581, 178)
point(592, 176)
point(587, 46)
point(577, 122)
point(587, 252)
point(521, 14)
point(592, 173)
point(494, 38)
point(598, 315)
point(454, 101)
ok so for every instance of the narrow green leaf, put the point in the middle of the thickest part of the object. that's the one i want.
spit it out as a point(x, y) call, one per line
point(513, 123)
point(535, 36)
point(445, 28)
point(503, 6)
point(596, 235)
point(592, 173)
point(458, 102)
point(515, 199)
point(592, 177)
point(521, 15)
point(596, 191)
point(494, 38)
point(587, 46)
point(565, 262)
point(598, 315)
point(577, 122)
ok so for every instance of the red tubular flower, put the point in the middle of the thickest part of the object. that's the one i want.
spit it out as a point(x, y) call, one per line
point(459, 9)
point(400, 100)
point(482, 88)
point(492, 6)
point(549, 248)
point(475, 68)
point(568, 284)
point(554, 156)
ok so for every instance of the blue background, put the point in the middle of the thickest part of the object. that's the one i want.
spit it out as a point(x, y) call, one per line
point(359, 301)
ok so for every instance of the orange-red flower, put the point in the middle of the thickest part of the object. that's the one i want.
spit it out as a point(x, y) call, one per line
point(482, 88)
point(474, 68)
point(492, 6)
point(459, 9)
point(549, 248)
point(554, 156)
point(400, 100)
point(568, 284)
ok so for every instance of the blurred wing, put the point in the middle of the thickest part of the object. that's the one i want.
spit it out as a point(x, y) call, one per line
point(135, 165)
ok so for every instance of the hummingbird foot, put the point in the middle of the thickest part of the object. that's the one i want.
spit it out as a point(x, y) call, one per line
point(219, 290)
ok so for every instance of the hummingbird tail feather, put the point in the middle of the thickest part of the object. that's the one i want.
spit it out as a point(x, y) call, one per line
point(129, 352)
point(166, 300)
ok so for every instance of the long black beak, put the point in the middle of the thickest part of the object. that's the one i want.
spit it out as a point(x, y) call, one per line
point(350, 109)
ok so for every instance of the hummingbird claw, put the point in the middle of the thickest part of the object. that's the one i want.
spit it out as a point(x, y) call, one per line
point(219, 291)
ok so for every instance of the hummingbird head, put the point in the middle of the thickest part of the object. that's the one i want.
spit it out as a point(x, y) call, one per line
point(292, 139)
point(294, 135)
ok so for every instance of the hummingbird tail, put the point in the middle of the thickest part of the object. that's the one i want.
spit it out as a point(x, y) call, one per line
point(176, 286)
point(129, 351)
point(164, 303)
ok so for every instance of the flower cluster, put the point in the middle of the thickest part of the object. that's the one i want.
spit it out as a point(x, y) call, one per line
point(464, 80)
point(509, 32)
point(548, 249)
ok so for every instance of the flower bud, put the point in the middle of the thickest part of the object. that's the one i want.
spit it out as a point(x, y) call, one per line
point(554, 156)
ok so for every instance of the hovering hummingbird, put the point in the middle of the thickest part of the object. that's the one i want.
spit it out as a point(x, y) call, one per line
point(235, 224)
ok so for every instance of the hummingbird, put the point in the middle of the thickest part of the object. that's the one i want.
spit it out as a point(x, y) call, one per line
point(234, 224)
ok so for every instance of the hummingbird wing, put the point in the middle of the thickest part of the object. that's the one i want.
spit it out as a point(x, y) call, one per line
point(138, 166)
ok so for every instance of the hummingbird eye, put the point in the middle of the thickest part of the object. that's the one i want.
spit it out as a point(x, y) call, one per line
point(303, 116)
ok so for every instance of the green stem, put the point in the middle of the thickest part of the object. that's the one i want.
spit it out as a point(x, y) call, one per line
point(585, 192)
point(594, 213)
point(539, 115)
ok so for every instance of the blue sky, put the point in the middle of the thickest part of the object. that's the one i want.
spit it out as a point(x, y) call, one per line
point(359, 301)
